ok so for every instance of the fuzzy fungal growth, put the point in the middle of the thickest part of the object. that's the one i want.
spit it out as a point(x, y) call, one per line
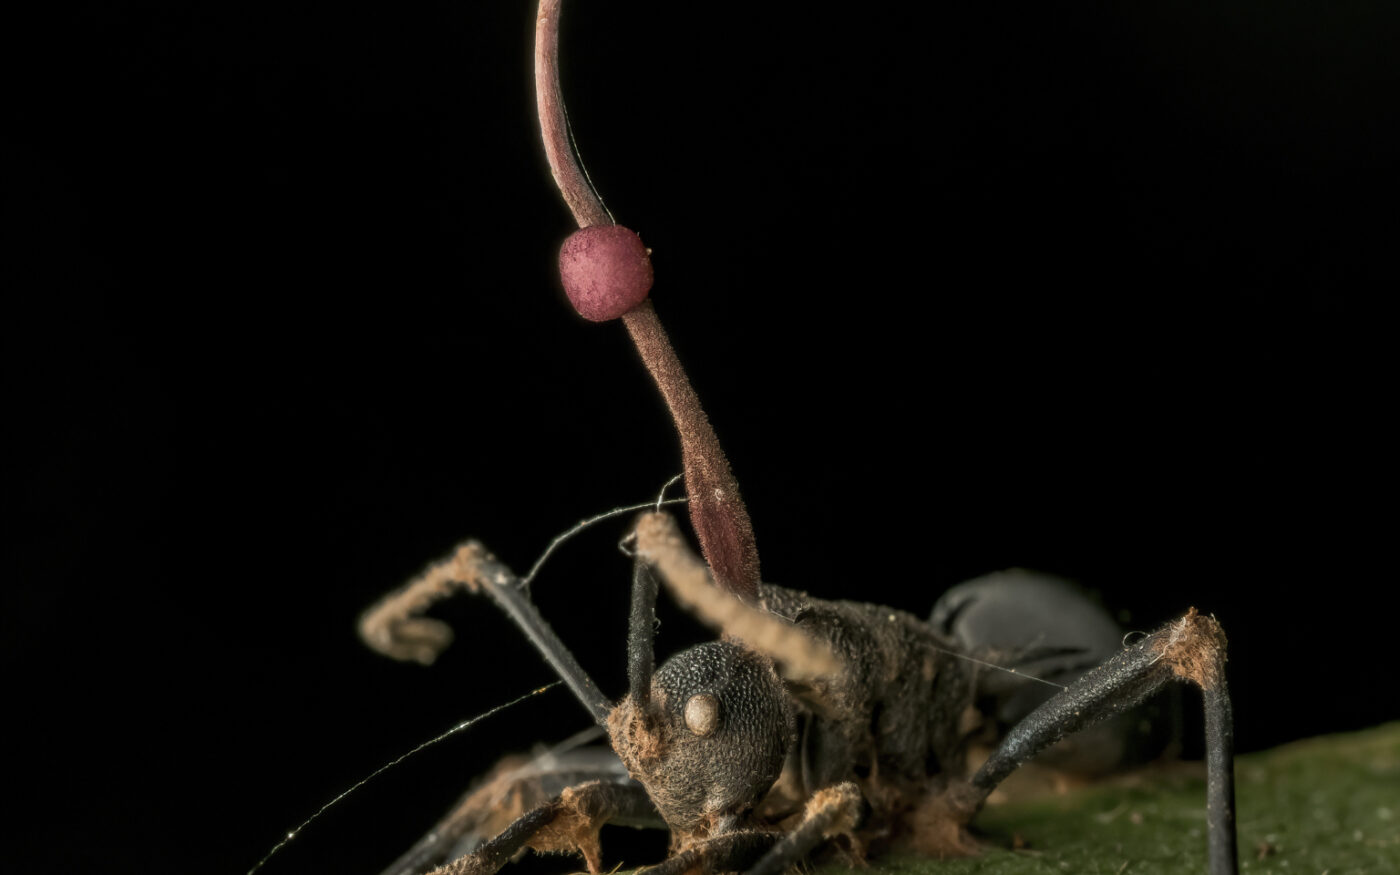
point(395, 626)
point(1195, 649)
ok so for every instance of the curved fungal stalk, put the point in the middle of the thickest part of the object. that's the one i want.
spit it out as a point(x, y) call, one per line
point(607, 275)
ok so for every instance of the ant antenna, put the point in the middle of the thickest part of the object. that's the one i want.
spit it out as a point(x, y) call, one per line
point(584, 524)
point(460, 727)
point(992, 665)
point(661, 497)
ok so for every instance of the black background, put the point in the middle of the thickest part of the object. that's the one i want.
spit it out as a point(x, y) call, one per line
point(1080, 289)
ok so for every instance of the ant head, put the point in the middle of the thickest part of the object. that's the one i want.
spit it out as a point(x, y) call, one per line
point(709, 737)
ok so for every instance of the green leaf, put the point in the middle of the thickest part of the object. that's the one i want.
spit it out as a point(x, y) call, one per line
point(1325, 805)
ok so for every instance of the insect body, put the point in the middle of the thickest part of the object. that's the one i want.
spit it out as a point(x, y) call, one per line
point(831, 719)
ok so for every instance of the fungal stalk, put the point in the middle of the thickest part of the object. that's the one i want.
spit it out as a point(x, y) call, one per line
point(607, 274)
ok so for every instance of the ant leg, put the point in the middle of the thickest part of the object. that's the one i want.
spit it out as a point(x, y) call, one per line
point(394, 626)
point(568, 823)
point(727, 852)
point(517, 784)
point(1191, 649)
point(830, 813)
point(1048, 628)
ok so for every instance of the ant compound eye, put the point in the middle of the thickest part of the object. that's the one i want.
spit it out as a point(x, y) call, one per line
point(702, 714)
point(606, 271)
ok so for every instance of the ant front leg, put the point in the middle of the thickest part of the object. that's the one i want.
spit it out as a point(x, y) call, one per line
point(568, 823)
point(396, 628)
point(515, 786)
point(832, 813)
point(1192, 650)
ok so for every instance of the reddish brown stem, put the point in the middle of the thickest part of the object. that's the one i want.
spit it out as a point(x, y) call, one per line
point(716, 511)
point(573, 183)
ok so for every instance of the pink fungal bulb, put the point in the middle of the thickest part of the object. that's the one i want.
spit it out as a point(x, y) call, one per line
point(606, 271)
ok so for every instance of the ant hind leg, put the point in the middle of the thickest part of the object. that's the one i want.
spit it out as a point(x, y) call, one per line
point(1192, 650)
